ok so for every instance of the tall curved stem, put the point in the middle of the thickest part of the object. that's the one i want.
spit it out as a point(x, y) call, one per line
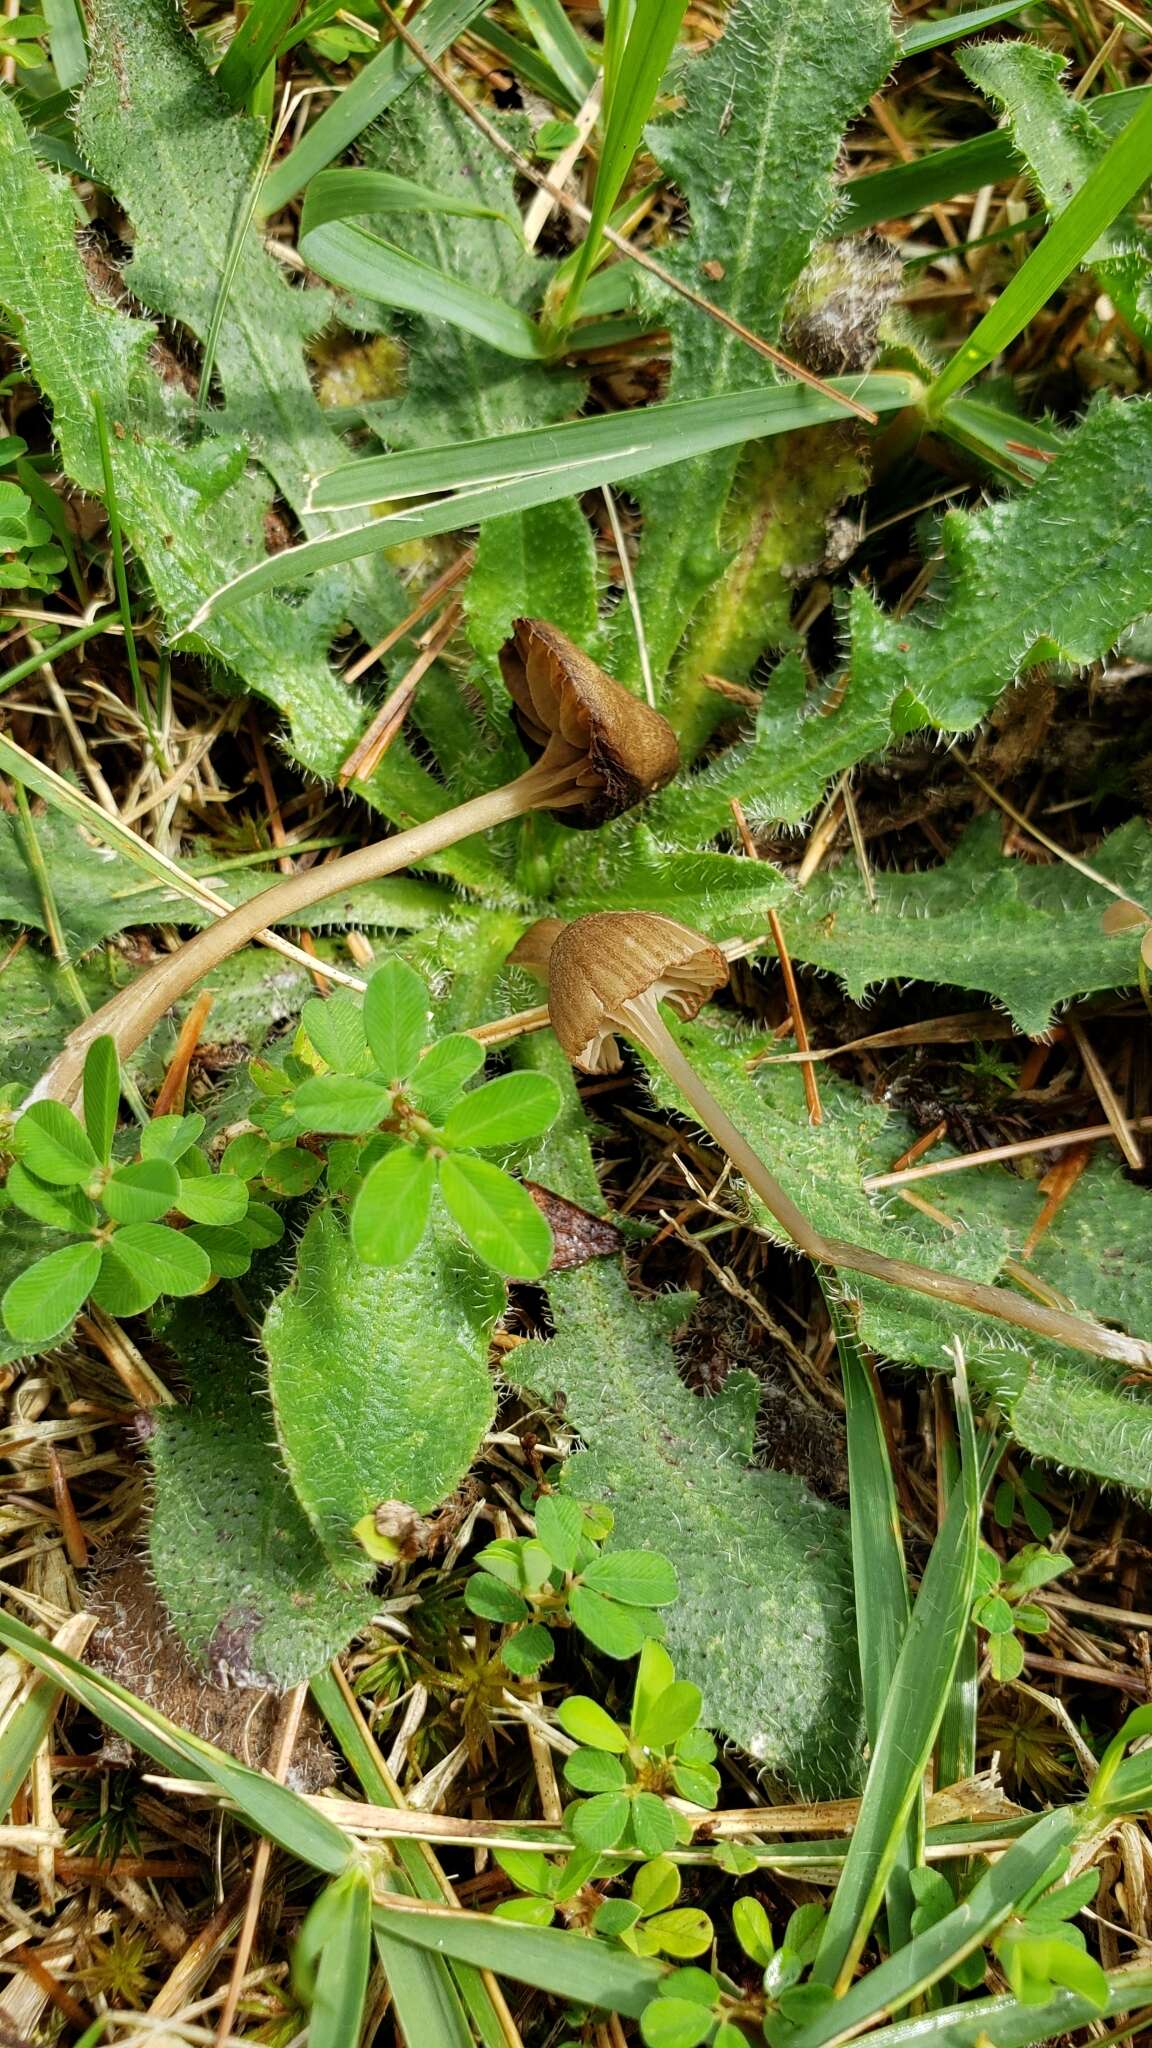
point(1059, 1327)
point(131, 1015)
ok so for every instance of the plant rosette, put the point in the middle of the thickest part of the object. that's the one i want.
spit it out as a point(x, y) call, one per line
point(631, 1774)
point(561, 1577)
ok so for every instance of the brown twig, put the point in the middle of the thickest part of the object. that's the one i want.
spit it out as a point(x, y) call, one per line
point(374, 743)
point(1019, 1148)
point(1106, 1095)
point(428, 600)
point(799, 1027)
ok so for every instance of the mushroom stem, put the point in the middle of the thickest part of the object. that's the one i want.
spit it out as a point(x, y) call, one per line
point(133, 1013)
point(649, 1030)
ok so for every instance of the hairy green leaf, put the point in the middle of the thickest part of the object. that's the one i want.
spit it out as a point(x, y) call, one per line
point(764, 1621)
point(1087, 520)
point(1032, 937)
point(378, 1378)
point(247, 1584)
point(753, 151)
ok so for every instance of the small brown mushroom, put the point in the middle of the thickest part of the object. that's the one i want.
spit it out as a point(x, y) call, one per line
point(610, 972)
point(618, 748)
point(598, 750)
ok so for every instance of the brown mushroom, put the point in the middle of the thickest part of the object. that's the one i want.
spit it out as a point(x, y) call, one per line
point(598, 751)
point(620, 749)
point(610, 972)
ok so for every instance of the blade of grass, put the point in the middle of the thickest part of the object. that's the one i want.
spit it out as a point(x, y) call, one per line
point(351, 190)
point(336, 2015)
point(634, 64)
point(417, 1861)
point(64, 645)
point(273, 1810)
point(962, 167)
point(238, 235)
point(1021, 448)
point(1006, 2023)
point(915, 1701)
point(946, 28)
point(589, 452)
point(1105, 193)
point(956, 1742)
point(567, 1965)
point(364, 263)
point(67, 42)
point(525, 60)
point(561, 45)
point(935, 1953)
point(254, 47)
point(883, 1607)
point(29, 1720)
point(380, 83)
point(566, 460)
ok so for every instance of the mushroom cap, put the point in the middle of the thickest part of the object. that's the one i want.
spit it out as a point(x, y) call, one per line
point(567, 707)
point(602, 963)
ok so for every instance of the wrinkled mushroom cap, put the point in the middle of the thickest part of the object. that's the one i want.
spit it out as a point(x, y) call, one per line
point(533, 949)
point(569, 711)
point(600, 965)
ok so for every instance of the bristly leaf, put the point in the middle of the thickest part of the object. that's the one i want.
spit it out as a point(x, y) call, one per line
point(378, 1377)
point(780, 87)
point(764, 1621)
point(242, 1573)
point(1087, 520)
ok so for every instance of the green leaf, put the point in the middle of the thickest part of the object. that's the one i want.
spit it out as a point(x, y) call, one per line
point(342, 1103)
point(497, 1216)
point(40, 1304)
point(141, 1193)
point(437, 1081)
point(528, 1650)
point(61, 1208)
point(586, 1721)
point(1086, 518)
point(335, 1027)
point(644, 1578)
point(527, 1912)
point(391, 1210)
point(289, 1170)
point(653, 1825)
point(671, 1714)
point(654, 1674)
point(229, 1250)
point(378, 1378)
point(101, 1096)
point(591, 1771)
point(686, 1931)
point(215, 1199)
point(599, 1823)
point(490, 1597)
point(155, 1260)
point(675, 2023)
point(371, 268)
point(698, 1782)
point(753, 1930)
point(1029, 936)
point(53, 1145)
point(245, 1156)
point(170, 1137)
point(618, 1631)
point(242, 1575)
point(395, 1017)
point(506, 1111)
point(929, 33)
point(560, 1526)
point(1006, 1657)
